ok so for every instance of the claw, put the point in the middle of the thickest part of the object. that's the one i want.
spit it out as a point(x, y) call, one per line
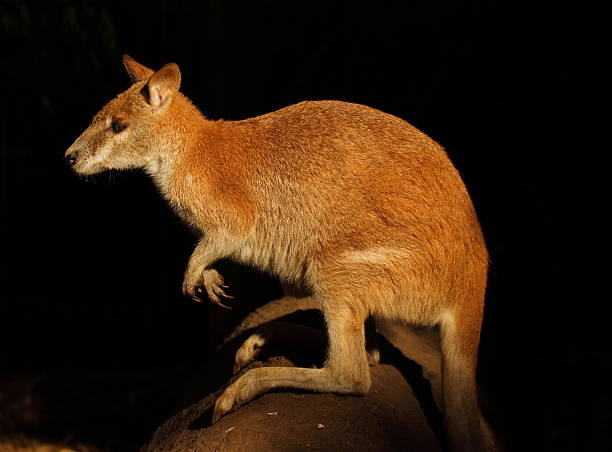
point(218, 303)
point(214, 294)
point(197, 295)
point(215, 417)
point(215, 299)
point(223, 294)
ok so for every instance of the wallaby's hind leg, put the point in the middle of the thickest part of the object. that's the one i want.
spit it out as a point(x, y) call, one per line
point(285, 332)
point(346, 369)
point(460, 334)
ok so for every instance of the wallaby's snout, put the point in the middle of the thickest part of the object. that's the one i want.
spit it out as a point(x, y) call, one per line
point(78, 156)
point(71, 157)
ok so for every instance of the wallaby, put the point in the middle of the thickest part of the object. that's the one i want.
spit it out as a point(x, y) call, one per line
point(352, 205)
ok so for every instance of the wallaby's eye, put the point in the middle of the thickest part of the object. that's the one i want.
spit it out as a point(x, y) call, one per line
point(118, 126)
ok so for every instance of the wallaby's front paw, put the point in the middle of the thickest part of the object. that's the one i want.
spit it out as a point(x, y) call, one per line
point(209, 280)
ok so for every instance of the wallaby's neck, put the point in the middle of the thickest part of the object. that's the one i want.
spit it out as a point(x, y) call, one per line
point(181, 130)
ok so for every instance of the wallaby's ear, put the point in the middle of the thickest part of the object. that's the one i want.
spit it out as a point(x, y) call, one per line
point(164, 84)
point(136, 71)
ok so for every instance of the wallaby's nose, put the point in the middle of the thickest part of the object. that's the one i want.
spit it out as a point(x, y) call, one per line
point(71, 158)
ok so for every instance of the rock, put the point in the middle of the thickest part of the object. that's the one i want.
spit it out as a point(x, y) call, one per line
point(388, 418)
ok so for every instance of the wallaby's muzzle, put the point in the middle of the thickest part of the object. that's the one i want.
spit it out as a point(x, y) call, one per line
point(71, 157)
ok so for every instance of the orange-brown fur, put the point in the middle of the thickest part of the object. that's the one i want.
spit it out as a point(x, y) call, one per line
point(352, 205)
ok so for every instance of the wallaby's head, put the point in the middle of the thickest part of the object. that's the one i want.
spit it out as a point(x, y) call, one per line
point(132, 129)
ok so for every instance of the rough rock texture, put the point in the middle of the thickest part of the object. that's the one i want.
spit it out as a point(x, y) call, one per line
point(399, 413)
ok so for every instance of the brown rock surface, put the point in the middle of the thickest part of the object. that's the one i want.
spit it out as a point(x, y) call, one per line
point(388, 418)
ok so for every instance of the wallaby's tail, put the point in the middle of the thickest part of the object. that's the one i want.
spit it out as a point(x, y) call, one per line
point(271, 311)
point(460, 335)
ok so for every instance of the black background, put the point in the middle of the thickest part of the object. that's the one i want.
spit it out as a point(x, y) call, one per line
point(92, 269)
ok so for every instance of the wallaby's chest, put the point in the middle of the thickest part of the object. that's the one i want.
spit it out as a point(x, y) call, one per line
point(178, 190)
